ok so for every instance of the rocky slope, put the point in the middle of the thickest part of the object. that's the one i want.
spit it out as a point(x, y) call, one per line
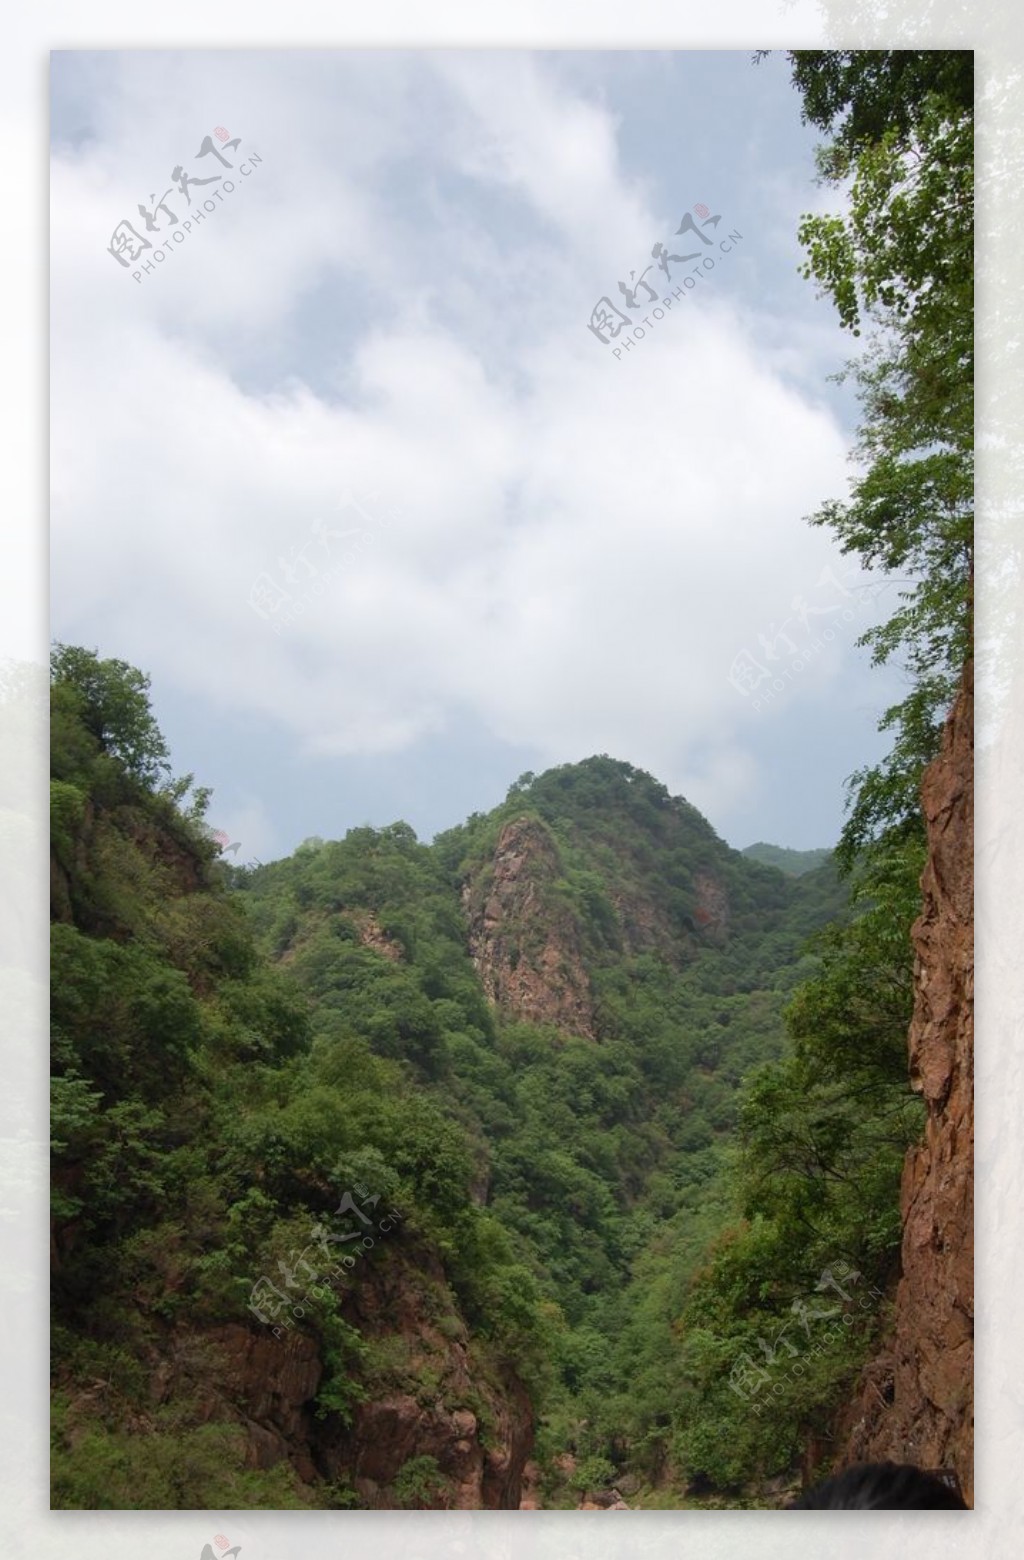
point(157, 1358)
point(569, 884)
point(525, 945)
point(429, 1395)
point(915, 1401)
point(437, 1398)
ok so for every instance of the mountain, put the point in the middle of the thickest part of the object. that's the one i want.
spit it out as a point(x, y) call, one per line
point(584, 975)
point(795, 862)
point(383, 1172)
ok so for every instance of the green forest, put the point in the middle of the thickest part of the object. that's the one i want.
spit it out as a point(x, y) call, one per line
point(559, 1155)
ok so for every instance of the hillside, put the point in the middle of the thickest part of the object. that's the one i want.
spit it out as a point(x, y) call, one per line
point(525, 1042)
point(214, 1152)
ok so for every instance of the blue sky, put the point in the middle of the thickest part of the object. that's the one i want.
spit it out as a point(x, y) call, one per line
point(347, 474)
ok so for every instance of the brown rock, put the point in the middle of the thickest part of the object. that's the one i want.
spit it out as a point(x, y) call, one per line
point(241, 1374)
point(393, 1427)
point(525, 944)
point(711, 913)
point(530, 1500)
point(372, 935)
point(915, 1402)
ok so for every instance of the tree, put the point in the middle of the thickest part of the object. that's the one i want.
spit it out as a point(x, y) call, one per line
point(110, 701)
point(871, 92)
point(901, 259)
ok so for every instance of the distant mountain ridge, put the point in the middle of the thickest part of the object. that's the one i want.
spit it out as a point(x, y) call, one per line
point(794, 862)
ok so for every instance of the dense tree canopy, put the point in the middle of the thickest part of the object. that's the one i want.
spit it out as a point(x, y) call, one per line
point(901, 261)
point(858, 96)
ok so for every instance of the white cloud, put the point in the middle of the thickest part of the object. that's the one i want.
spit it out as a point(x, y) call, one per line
point(526, 131)
point(583, 545)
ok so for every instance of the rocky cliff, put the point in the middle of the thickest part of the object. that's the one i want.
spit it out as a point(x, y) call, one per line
point(433, 1395)
point(525, 943)
point(915, 1401)
point(557, 896)
point(433, 1405)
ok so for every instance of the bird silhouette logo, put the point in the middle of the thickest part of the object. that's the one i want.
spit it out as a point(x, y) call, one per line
point(223, 841)
point(222, 1552)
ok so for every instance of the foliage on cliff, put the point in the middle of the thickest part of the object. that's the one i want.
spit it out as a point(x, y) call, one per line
point(205, 1114)
point(824, 1132)
point(900, 265)
point(602, 1153)
point(235, 1048)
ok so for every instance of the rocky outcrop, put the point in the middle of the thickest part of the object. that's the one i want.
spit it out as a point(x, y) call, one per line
point(372, 935)
point(642, 924)
point(530, 1499)
point(392, 1432)
point(915, 1401)
point(272, 1381)
point(711, 913)
point(439, 1426)
point(429, 1397)
point(84, 835)
point(524, 941)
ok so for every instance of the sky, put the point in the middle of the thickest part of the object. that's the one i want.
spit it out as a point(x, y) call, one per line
point(413, 462)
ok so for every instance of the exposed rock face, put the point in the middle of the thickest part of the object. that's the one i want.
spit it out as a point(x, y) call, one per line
point(526, 945)
point(915, 1402)
point(711, 914)
point(372, 935)
point(392, 1431)
point(419, 1406)
point(645, 925)
point(642, 925)
point(531, 1488)
point(74, 860)
point(273, 1379)
point(526, 940)
point(430, 1398)
point(602, 1500)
